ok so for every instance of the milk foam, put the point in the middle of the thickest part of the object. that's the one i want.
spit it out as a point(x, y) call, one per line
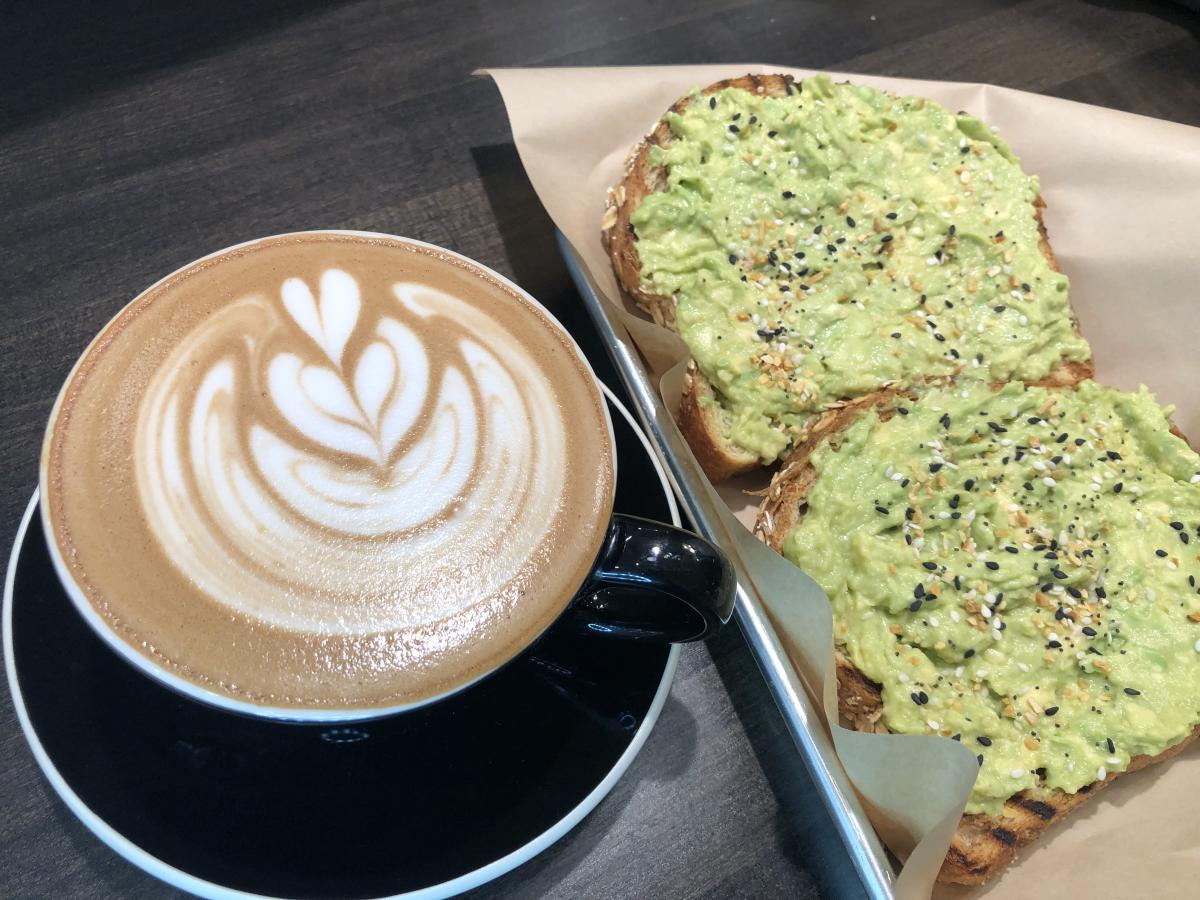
point(392, 446)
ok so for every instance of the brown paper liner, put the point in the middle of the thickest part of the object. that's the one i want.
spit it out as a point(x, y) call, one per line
point(1123, 195)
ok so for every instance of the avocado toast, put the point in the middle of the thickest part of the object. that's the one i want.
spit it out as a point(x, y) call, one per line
point(1012, 567)
point(814, 243)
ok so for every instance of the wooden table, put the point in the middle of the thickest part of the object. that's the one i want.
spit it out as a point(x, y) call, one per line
point(132, 141)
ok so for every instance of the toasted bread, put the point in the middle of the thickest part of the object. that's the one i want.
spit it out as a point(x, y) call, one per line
point(983, 844)
point(701, 416)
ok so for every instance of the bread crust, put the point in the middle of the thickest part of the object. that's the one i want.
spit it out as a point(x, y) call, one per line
point(717, 454)
point(983, 844)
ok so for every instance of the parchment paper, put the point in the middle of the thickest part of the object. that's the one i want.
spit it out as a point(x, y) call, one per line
point(1123, 195)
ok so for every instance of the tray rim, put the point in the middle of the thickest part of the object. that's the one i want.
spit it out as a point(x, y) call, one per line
point(800, 716)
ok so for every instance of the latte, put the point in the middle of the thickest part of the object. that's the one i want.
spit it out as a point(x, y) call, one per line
point(328, 471)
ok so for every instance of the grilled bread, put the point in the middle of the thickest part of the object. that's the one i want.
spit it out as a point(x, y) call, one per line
point(1119, 454)
point(861, 254)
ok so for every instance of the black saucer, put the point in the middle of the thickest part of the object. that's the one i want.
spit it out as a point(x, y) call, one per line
point(435, 801)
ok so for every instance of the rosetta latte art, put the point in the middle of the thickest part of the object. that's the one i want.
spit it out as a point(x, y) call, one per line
point(346, 465)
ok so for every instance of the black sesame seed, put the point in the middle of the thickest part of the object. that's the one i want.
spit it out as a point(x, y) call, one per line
point(933, 467)
point(734, 129)
point(1054, 645)
point(1100, 592)
point(1117, 487)
point(999, 309)
point(969, 483)
point(1178, 526)
point(968, 653)
point(849, 221)
point(788, 195)
point(1133, 692)
point(885, 239)
point(914, 606)
point(985, 740)
point(919, 591)
point(772, 133)
point(1183, 536)
point(992, 564)
point(1089, 630)
point(882, 510)
point(903, 410)
point(1160, 553)
point(930, 565)
point(890, 215)
point(1113, 455)
point(1009, 548)
point(818, 229)
point(1058, 573)
point(909, 513)
point(832, 248)
point(954, 504)
point(712, 102)
point(1112, 748)
point(1050, 710)
point(896, 335)
point(1074, 592)
point(997, 427)
point(979, 759)
point(1062, 437)
point(733, 258)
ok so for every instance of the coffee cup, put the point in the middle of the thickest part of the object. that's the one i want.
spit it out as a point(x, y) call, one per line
point(334, 475)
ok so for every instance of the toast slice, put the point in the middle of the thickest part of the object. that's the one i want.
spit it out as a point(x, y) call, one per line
point(704, 415)
point(984, 843)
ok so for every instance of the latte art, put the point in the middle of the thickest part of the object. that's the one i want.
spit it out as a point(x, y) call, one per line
point(344, 471)
point(445, 456)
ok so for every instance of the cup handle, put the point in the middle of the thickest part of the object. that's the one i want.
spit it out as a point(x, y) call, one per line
point(653, 582)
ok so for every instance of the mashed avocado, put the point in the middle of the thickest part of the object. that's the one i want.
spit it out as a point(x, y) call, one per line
point(823, 243)
point(1018, 570)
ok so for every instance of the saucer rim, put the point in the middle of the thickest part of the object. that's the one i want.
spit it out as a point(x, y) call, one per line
point(182, 880)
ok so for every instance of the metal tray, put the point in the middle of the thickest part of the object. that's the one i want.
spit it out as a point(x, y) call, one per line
point(701, 503)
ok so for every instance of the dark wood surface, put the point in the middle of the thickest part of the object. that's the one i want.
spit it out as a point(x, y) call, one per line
point(135, 137)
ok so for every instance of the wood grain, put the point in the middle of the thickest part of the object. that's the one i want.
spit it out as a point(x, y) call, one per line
point(136, 137)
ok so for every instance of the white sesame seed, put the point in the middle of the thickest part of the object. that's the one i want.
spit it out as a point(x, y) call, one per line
point(1113, 760)
point(1017, 773)
point(1101, 773)
point(1195, 479)
point(932, 724)
point(903, 678)
point(1049, 482)
point(1196, 646)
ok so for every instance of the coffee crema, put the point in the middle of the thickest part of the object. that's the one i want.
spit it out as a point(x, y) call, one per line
point(329, 471)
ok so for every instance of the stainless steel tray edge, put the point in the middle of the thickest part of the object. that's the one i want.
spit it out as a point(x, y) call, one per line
point(701, 502)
